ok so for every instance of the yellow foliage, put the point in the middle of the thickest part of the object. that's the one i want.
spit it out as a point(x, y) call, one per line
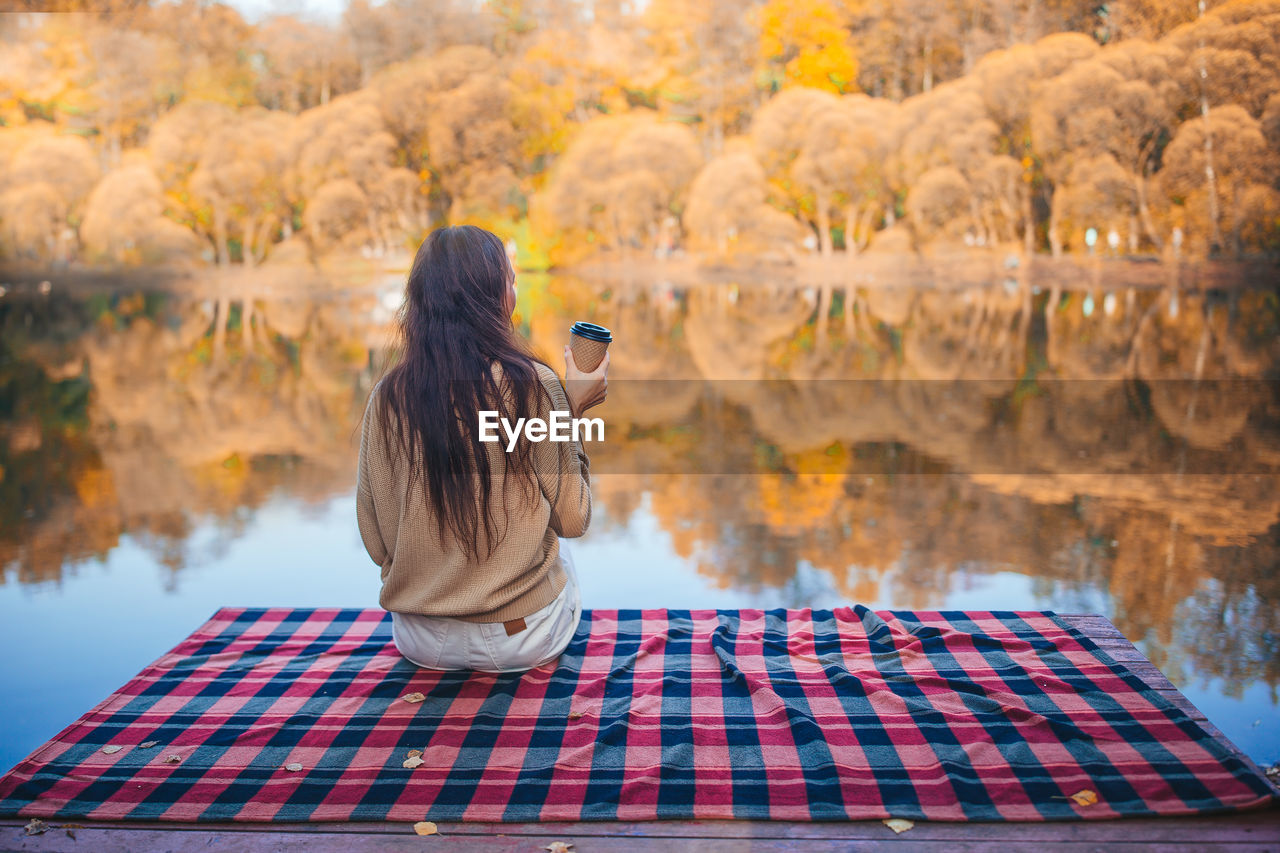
point(541, 111)
point(810, 42)
point(797, 503)
point(95, 487)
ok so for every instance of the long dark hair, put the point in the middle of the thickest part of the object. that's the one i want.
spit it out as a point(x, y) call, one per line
point(455, 326)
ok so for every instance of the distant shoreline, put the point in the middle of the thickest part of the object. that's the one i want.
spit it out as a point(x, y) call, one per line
point(942, 270)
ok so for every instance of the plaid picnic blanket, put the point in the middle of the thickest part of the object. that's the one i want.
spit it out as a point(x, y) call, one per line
point(781, 714)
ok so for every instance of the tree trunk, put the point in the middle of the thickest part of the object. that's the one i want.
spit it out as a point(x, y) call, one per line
point(989, 226)
point(865, 224)
point(1028, 226)
point(895, 80)
point(1144, 212)
point(374, 232)
point(1211, 179)
point(246, 323)
point(263, 239)
point(850, 234)
point(223, 313)
point(249, 227)
point(824, 225)
point(220, 235)
point(1055, 218)
point(1236, 244)
point(1050, 308)
point(824, 312)
point(1008, 218)
point(927, 82)
point(976, 218)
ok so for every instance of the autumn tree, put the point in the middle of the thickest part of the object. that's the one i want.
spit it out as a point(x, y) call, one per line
point(454, 126)
point(45, 185)
point(240, 179)
point(124, 220)
point(1245, 167)
point(1147, 19)
point(136, 74)
point(1236, 47)
point(621, 180)
point(908, 47)
point(1008, 81)
point(1122, 101)
point(700, 68)
point(727, 211)
point(827, 166)
point(780, 133)
point(346, 140)
point(302, 64)
point(398, 30)
point(948, 138)
point(935, 197)
point(46, 73)
point(869, 129)
point(212, 39)
point(474, 149)
point(807, 44)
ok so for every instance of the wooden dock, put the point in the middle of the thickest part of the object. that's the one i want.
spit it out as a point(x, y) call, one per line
point(1255, 830)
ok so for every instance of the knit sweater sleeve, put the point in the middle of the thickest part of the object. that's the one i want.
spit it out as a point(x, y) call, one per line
point(562, 467)
point(369, 470)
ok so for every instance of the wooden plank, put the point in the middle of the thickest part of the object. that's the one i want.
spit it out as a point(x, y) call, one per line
point(1255, 828)
point(1092, 625)
point(1184, 705)
point(142, 841)
point(1260, 823)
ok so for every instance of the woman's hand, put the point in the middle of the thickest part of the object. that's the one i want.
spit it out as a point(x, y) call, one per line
point(584, 389)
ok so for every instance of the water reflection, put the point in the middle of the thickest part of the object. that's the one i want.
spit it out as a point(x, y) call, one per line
point(1118, 448)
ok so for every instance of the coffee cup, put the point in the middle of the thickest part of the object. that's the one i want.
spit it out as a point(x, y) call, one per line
point(589, 343)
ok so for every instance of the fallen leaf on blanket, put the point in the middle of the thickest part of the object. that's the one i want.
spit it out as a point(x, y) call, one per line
point(172, 758)
point(36, 826)
point(293, 765)
point(559, 846)
point(112, 749)
point(147, 744)
point(898, 825)
point(575, 715)
point(413, 698)
point(424, 827)
point(414, 753)
point(1085, 797)
point(413, 761)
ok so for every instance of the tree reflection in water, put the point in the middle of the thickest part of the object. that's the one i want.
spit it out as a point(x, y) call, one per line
point(1132, 451)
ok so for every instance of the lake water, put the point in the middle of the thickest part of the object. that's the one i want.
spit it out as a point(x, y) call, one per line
point(779, 445)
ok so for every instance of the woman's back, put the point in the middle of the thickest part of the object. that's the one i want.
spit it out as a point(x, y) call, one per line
point(425, 570)
point(466, 530)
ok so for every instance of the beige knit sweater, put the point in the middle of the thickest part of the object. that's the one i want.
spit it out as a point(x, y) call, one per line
point(425, 573)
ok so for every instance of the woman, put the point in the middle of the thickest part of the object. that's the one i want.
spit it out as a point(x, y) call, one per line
point(474, 571)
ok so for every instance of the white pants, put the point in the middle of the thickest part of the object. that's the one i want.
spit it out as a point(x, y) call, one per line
point(445, 643)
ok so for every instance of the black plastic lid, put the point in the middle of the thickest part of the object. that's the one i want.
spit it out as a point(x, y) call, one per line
point(591, 332)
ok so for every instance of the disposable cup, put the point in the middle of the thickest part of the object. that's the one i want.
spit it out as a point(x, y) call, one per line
point(589, 343)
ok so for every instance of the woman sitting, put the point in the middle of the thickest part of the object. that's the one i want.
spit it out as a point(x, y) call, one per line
point(474, 570)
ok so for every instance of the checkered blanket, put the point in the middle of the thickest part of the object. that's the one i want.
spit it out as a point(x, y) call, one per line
point(286, 714)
